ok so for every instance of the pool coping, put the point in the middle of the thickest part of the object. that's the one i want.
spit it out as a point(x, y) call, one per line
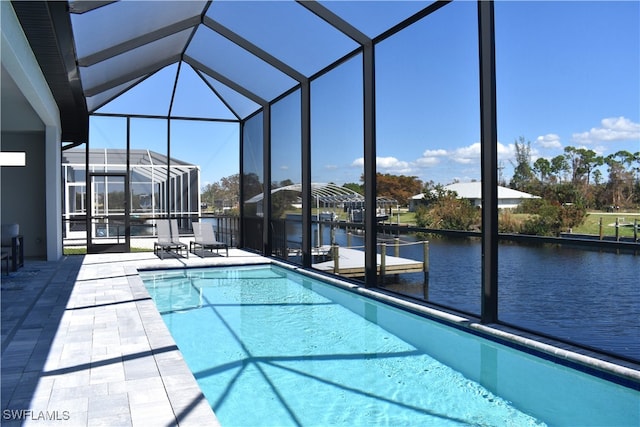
point(620, 371)
point(183, 392)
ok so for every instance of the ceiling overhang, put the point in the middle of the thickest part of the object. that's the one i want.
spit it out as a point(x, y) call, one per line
point(47, 27)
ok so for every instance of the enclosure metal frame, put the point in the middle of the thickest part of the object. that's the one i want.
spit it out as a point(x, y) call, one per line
point(366, 48)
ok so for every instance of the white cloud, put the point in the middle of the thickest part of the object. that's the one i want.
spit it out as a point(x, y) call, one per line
point(431, 157)
point(469, 155)
point(612, 129)
point(434, 153)
point(550, 140)
point(387, 163)
point(427, 161)
point(391, 163)
point(506, 150)
point(466, 155)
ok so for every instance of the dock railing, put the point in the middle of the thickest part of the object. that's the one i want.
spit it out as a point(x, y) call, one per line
point(349, 260)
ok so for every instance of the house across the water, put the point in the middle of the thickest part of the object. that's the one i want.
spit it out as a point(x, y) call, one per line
point(507, 197)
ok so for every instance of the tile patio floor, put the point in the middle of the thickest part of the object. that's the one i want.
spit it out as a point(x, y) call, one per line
point(83, 345)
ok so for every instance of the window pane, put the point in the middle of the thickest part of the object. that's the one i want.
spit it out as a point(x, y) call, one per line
point(151, 97)
point(193, 98)
point(428, 132)
point(253, 182)
point(285, 30)
point(74, 193)
point(96, 101)
point(240, 66)
point(148, 179)
point(107, 144)
point(286, 178)
point(121, 22)
point(375, 17)
point(242, 106)
point(105, 195)
point(206, 155)
point(336, 152)
point(133, 63)
point(568, 95)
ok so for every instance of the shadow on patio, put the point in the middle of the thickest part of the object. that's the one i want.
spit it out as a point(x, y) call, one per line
point(83, 343)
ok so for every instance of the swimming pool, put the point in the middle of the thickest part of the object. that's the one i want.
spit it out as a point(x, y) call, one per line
point(270, 346)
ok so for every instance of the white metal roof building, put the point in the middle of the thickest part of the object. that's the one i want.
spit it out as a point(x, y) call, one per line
point(507, 197)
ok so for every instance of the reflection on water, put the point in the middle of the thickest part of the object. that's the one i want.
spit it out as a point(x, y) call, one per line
point(586, 296)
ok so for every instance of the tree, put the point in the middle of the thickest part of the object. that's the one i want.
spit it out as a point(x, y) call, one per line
point(573, 161)
point(582, 162)
point(621, 180)
point(222, 194)
point(398, 187)
point(282, 201)
point(559, 167)
point(597, 176)
point(636, 171)
point(590, 161)
point(542, 166)
point(522, 172)
point(358, 188)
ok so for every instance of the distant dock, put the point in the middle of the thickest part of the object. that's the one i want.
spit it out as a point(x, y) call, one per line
point(351, 262)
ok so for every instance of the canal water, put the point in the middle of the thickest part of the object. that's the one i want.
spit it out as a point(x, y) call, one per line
point(586, 296)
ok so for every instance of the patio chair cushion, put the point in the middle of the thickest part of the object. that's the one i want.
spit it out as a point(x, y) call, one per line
point(9, 231)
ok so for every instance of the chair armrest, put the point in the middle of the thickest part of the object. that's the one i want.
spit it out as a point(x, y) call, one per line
point(17, 252)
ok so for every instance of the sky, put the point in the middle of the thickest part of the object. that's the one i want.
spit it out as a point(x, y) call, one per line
point(568, 74)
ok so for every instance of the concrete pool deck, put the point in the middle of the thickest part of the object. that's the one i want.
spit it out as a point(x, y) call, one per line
point(83, 345)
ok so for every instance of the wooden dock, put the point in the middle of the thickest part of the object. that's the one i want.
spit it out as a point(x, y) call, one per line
point(351, 263)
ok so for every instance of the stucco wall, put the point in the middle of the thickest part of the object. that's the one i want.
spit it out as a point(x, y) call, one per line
point(23, 197)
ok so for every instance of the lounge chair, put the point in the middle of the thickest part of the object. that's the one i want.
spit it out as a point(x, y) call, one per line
point(168, 238)
point(12, 246)
point(205, 238)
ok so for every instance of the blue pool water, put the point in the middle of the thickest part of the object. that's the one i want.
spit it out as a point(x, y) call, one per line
point(269, 346)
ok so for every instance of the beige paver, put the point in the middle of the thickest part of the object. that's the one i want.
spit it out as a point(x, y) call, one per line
point(82, 342)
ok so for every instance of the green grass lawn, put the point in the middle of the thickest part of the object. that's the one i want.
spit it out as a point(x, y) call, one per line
point(591, 223)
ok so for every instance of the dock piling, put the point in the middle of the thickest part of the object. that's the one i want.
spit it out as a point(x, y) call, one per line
point(335, 254)
point(600, 228)
point(383, 260)
point(425, 255)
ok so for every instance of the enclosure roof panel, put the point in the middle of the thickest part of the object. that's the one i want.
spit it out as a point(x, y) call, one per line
point(286, 30)
point(375, 17)
point(247, 53)
point(126, 25)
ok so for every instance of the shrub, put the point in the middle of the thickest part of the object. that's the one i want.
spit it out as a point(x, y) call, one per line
point(550, 219)
point(447, 212)
point(509, 223)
